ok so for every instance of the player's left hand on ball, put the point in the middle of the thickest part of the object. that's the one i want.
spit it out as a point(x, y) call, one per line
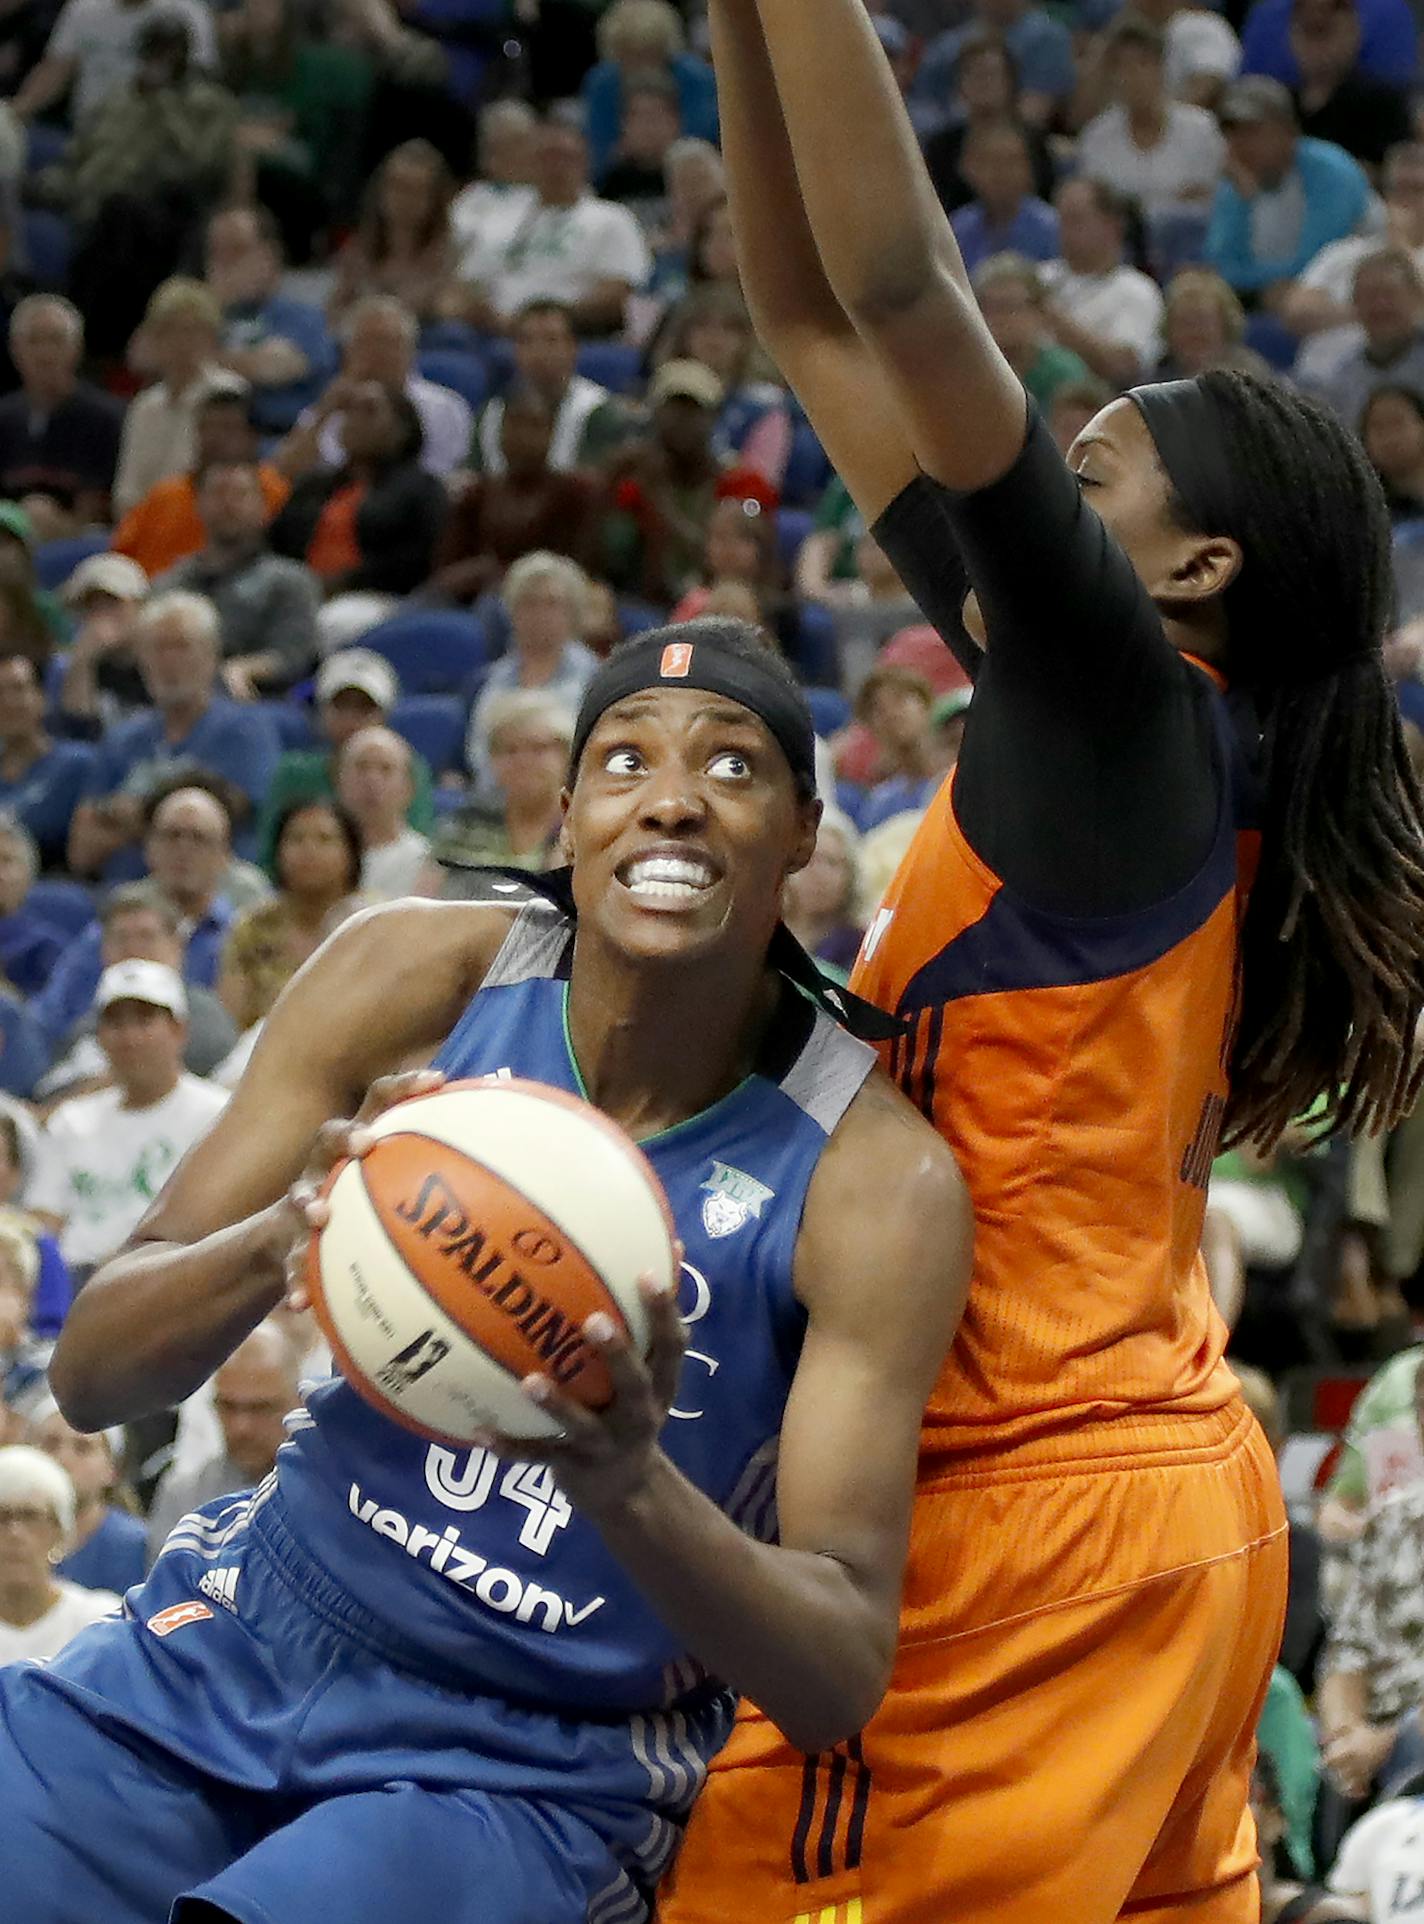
point(304, 1209)
point(602, 1456)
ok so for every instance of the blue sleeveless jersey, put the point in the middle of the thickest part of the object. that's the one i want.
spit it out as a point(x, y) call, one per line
point(482, 1563)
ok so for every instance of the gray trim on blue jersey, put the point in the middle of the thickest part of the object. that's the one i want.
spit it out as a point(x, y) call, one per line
point(533, 948)
point(827, 1076)
point(824, 1080)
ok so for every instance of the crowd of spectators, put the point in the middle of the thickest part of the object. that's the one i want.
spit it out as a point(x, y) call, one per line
point(367, 369)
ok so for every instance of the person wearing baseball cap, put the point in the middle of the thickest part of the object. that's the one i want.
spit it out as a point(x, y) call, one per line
point(668, 483)
point(103, 594)
point(355, 688)
point(111, 1151)
point(1300, 193)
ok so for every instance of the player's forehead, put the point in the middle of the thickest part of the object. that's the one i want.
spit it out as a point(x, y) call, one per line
point(677, 710)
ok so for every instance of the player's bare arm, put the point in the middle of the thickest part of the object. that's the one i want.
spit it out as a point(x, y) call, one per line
point(207, 1263)
point(883, 243)
point(805, 1627)
point(800, 321)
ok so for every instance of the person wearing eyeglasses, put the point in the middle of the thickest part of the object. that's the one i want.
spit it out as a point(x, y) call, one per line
point(253, 1391)
point(39, 1611)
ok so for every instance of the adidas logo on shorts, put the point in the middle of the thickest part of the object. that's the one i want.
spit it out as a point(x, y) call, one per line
point(221, 1586)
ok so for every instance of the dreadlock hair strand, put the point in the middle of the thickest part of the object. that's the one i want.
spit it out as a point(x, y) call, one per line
point(1332, 947)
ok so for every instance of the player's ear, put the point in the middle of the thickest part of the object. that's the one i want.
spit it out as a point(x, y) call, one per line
point(1208, 568)
point(809, 826)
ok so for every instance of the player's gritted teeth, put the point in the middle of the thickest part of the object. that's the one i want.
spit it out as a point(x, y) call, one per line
point(668, 876)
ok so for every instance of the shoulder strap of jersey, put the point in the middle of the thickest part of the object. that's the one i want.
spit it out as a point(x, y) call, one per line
point(539, 941)
point(785, 954)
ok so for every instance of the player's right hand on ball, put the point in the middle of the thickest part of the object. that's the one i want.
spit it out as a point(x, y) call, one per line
point(304, 1210)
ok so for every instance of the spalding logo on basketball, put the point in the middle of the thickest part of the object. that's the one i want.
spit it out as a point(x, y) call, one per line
point(469, 1245)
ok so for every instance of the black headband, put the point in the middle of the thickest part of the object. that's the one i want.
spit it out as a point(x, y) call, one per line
point(1186, 428)
point(1189, 427)
point(699, 662)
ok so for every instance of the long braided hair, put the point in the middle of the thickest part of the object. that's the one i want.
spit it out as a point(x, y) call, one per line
point(1332, 958)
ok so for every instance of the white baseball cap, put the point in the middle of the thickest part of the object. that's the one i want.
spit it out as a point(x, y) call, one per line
point(151, 982)
point(359, 668)
point(105, 574)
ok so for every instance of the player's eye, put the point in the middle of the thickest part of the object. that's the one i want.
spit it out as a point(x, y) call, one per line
point(622, 761)
point(1085, 480)
point(729, 766)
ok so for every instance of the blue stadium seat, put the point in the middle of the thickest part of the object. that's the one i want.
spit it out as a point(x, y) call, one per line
point(850, 800)
point(55, 561)
point(66, 906)
point(293, 722)
point(434, 725)
point(45, 146)
point(1273, 341)
point(49, 247)
point(808, 468)
point(434, 651)
point(448, 367)
point(1175, 241)
point(499, 364)
point(613, 364)
point(816, 656)
point(636, 617)
point(792, 527)
point(830, 710)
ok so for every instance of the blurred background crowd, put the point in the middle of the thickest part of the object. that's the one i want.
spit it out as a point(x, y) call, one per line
point(368, 368)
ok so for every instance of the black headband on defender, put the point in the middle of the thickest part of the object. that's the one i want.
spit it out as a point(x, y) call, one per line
point(660, 662)
point(1186, 428)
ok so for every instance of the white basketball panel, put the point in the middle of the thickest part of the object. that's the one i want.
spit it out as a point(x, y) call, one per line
point(379, 1309)
point(568, 1166)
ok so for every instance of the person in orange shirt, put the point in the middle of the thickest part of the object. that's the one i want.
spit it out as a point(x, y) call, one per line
point(165, 527)
point(1173, 893)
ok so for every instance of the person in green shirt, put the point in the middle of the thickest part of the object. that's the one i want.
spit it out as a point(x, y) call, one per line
point(1285, 1735)
point(1014, 304)
point(355, 688)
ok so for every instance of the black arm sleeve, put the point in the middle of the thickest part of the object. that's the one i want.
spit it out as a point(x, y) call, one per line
point(1090, 779)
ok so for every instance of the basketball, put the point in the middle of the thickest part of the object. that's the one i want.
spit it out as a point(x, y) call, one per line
point(468, 1246)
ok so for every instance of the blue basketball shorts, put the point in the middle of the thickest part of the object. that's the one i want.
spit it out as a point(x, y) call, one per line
point(254, 1747)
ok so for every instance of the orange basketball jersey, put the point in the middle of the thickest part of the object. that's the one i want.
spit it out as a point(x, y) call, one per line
point(1078, 1069)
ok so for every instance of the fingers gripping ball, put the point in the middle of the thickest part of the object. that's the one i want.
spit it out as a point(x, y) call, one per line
point(465, 1249)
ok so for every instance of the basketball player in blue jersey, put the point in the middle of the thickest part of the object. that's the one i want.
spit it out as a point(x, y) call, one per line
point(399, 1681)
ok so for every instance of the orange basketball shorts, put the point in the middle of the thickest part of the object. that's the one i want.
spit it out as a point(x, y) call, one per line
point(1070, 1728)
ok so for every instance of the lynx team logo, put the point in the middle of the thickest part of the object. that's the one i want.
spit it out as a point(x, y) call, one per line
point(733, 1198)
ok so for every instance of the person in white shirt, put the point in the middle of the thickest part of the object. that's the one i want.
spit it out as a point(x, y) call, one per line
point(545, 359)
point(498, 199)
point(590, 254)
point(104, 1157)
point(39, 1612)
point(380, 342)
point(182, 331)
point(1323, 298)
point(93, 51)
point(1382, 1860)
point(1160, 152)
point(375, 783)
point(1202, 51)
point(1108, 313)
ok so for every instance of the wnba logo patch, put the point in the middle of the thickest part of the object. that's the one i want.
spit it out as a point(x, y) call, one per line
point(677, 661)
point(733, 1198)
point(175, 1616)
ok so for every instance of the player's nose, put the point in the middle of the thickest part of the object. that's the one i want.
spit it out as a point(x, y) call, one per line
point(672, 799)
